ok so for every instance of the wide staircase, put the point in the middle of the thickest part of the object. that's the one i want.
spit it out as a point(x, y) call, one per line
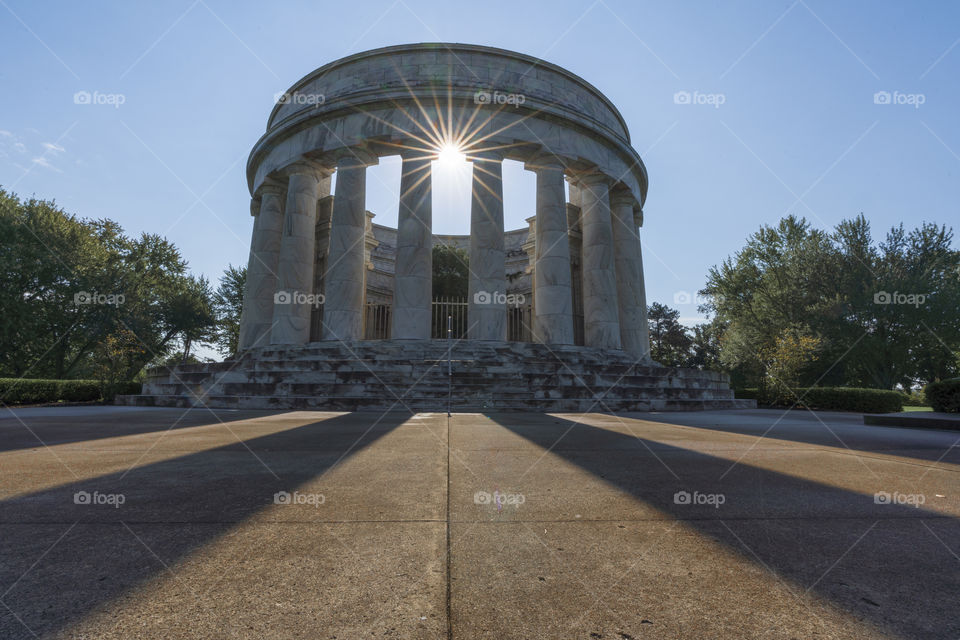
point(466, 376)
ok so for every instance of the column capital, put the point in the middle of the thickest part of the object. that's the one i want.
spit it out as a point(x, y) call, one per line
point(592, 179)
point(545, 161)
point(305, 166)
point(354, 158)
point(270, 187)
point(485, 155)
point(417, 153)
point(621, 197)
point(638, 216)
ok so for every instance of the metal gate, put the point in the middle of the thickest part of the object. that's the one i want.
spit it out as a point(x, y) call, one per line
point(456, 309)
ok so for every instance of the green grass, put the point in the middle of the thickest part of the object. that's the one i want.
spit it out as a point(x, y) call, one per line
point(918, 408)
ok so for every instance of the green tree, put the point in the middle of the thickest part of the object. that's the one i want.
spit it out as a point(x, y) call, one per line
point(227, 307)
point(705, 346)
point(793, 352)
point(912, 332)
point(112, 359)
point(451, 271)
point(669, 341)
point(191, 312)
point(50, 261)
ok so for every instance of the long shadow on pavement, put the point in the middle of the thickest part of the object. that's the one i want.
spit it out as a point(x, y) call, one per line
point(50, 582)
point(877, 561)
point(30, 430)
point(831, 430)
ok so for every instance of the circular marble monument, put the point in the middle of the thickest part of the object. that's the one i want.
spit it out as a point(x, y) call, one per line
point(415, 101)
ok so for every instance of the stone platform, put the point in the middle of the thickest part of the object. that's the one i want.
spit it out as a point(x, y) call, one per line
point(379, 375)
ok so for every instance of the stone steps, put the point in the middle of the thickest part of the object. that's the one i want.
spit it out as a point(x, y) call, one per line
point(524, 383)
point(430, 404)
point(338, 365)
point(465, 372)
point(485, 376)
point(431, 390)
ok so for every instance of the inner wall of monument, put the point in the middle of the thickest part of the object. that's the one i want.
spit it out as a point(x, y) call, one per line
point(380, 260)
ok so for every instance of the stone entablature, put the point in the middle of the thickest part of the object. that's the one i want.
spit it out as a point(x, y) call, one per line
point(387, 94)
point(462, 70)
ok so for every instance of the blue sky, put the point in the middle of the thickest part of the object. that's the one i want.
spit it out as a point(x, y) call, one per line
point(797, 128)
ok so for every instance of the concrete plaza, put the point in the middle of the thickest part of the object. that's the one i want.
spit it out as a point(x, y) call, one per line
point(120, 522)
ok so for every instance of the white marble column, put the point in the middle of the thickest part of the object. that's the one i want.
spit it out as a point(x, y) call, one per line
point(291, 312)
point(645, 323)
point(412, 283)
point(629, 265)
point(552, 290)
point(256, 319)
point(600, 307)
point(344, 282)
point(487, 310)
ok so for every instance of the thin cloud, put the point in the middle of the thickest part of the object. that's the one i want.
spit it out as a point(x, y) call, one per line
point(43, 162)
point(54, 147)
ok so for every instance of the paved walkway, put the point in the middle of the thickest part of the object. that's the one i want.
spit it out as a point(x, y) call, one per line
point(164, 523)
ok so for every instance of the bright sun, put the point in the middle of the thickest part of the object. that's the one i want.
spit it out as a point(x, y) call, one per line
point(450, 155)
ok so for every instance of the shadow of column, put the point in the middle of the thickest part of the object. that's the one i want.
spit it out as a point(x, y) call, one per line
point(30, 432)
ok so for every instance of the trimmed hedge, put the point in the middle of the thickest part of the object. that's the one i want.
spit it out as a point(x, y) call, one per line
point(944, 396)
point(853, 399)
point(834, 399)
point(31, 391)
